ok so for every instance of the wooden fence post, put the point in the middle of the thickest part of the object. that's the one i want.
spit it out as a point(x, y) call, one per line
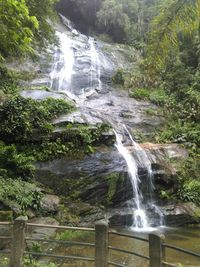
point(155, 249)
point(18, 242)
point(101, 244)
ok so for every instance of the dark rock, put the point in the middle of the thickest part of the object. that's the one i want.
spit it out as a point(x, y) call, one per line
point(121, 218)
point(181, 214)
point(86, 178)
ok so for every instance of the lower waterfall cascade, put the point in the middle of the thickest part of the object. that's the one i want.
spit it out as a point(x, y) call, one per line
point(140, 217)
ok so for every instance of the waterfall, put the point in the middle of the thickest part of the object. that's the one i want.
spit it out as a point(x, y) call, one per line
point(77, 71)
point(140, 217)
point(95, 65)
point(139, 159)
point(60, 76)
point(143, 161)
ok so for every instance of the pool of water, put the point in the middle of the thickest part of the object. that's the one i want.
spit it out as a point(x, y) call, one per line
point(187, 237)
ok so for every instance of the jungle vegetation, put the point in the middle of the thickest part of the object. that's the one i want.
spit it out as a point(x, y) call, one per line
point(166, 32)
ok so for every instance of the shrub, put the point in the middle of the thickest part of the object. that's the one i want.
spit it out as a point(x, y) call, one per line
point(17, 193)
point(190, 191)
point(8, 81)
point(14, 164)
point(141, 93)
point(158, 97)
point(72, 235)
point(20, 117)
point(119, 78)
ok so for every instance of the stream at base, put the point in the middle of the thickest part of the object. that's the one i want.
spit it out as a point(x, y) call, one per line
point(187, 237)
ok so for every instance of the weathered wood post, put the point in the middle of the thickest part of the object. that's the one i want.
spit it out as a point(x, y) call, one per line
point(18, 242)
point(101, 244)
point(155, 249)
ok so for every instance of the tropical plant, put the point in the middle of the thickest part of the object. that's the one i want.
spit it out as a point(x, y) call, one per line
point(179, 18)
point(44, 12)
point(17, 28)
point(21, 118)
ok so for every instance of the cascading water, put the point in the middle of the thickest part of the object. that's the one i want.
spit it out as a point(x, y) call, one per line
point(138, 159)
point(140, 217)
point(60, 76)
point(95, 65)
point(143, 161)
point(81, 56)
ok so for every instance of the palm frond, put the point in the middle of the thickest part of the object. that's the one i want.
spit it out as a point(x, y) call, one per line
point(181, 16)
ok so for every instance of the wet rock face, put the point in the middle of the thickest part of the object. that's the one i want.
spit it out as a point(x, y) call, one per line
point(178, 214)
point(98, 178)
point(102, 177)
point(181, 214)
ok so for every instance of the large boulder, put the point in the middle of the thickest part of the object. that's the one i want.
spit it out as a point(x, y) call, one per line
point(50, 204)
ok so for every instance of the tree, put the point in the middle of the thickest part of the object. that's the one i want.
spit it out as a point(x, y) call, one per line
point(44, 12)
point(179, 18)
point(81, 12)
point(113, 20)
point(17, 28)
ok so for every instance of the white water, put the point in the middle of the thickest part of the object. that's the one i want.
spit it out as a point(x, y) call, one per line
point(140, 218)
point(145, 161)
point(139, 159)
point(142, 160)
point(95, 64)
point(60, 76)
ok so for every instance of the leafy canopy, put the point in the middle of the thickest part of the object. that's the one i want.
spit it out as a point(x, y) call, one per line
point(113, 19)
point(44, 12)
point(179, 18)
point(17, 28)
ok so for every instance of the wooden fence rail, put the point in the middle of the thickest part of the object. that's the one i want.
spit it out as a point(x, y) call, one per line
point(156, 243)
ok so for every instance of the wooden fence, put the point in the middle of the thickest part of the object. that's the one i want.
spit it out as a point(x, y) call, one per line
point(156, 257)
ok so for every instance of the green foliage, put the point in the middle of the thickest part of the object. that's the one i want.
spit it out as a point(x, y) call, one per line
point(21, 118)
point(19, 194)
point(190, 191)
point(112, 181)
point(85, 136)
point(43, 11)
point(14, 164)
point(30, 262)
point(113, 20)
point(48, 150)
point(24, 22)
point(119, 78)
point(74, 141)
point(6, 215)
point(72, 235)
point(156, 96)
point(35, 247)
point(178, 18)
point(8, 81)
point(17, 28)
point(180, 132)
point(126, 20)
point(141, 93)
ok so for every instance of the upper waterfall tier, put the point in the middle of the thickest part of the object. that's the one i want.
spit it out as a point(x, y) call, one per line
point(80, 68)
